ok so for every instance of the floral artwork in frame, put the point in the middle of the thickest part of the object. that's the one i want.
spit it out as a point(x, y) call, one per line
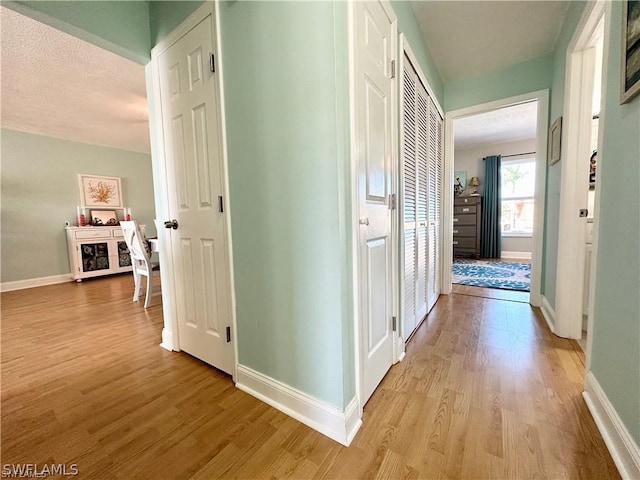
point(100, 191)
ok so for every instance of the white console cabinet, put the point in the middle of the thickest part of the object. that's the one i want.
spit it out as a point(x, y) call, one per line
point(97, 251)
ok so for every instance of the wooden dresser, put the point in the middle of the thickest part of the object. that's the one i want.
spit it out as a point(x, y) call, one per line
point(466, 226)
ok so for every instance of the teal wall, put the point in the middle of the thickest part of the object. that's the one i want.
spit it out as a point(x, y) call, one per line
point(524, 77)
point(164, 16)
point(408, 25)
point(285, 80)
point(615, 360)
point(40, 193)
point(121, 27)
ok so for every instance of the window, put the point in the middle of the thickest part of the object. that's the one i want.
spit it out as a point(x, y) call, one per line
point(518, 186)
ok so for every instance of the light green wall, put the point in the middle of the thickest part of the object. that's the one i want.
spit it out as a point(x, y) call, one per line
point(285, 86)
point(164, 16)
point(121, 27)
point(408, 25)
point(40, 193)
point(524, 77)
point(615, 360)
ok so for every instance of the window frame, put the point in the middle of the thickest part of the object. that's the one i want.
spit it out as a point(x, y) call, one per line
point(516, 161)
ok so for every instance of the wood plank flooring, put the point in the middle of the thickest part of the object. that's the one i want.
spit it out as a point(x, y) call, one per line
point(484, 392)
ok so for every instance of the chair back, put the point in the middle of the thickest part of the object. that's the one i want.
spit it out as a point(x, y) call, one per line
point(134, 240)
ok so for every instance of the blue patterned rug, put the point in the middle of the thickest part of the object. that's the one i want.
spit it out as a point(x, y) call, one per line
point(503, 275)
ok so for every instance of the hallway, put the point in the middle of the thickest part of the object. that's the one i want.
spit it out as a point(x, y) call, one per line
point(485, 391)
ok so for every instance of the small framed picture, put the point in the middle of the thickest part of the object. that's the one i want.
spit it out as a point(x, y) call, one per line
point(100, 191)
point(630, 74)
point(104, 217)
point(459, 181)
point(555, 141)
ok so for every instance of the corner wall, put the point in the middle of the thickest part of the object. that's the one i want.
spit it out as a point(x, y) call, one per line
point(285, 80)
point(122, 27)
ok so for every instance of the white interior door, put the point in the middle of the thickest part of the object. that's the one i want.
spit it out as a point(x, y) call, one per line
point(436, 128)
point(409, 200)
point(374, 84)
point(423, 202)
point(195, 182)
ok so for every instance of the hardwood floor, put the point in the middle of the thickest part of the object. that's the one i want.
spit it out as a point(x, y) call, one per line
point(484, 392)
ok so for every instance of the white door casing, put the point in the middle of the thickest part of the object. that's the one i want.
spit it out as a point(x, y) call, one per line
point(374, 50)
point(193, 154)
point(576, 149)
point(542, 123)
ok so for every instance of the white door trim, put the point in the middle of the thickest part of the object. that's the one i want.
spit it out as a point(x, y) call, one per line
point(170, 338)
point(354, 229)
point(576, 127)
point(542, 97)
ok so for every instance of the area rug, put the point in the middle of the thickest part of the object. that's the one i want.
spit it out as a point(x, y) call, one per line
point(503, 275)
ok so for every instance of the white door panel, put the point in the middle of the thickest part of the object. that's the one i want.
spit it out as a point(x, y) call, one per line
point(195, 182)
point(374, 50)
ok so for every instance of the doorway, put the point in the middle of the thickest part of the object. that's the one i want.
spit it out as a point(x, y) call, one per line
point(510, 133)
point(538, 102)
point(579, 199)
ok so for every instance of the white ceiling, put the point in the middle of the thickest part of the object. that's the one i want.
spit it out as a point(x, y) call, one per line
point(469, 38)
point(508, 124)
point(56, 85)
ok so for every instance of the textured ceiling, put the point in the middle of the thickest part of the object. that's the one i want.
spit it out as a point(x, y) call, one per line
point(468, 38)
point(508, 124)
point(56, 85)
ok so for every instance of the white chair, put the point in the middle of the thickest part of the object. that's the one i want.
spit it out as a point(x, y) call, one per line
point(140, 259)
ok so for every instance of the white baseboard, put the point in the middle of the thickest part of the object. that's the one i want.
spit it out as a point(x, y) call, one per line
point(167, 339)
point(516, 255)
point(549, 314)
point(622, 447)
point(327, 419)
point(35, 282)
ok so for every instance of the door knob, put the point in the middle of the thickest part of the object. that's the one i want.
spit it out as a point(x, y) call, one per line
point(364, 221)
point(171, 224)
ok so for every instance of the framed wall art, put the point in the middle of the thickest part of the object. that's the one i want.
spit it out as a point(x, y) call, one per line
point(555, 141)
point(104, 217)
point(459, 181)
point(100, 191)
point(630, 74)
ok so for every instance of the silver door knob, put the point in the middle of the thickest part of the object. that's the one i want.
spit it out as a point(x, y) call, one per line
point(364, 221)
point(171, 224)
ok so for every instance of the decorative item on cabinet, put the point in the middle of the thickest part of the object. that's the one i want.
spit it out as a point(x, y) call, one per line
point(466, 226)
point(474, 182)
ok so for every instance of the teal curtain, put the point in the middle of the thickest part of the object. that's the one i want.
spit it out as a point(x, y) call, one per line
point(490, 240)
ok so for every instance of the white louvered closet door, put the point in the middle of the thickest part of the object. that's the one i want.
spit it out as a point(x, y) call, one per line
point(422, 199)
point(409, 174)
point(436, 130)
